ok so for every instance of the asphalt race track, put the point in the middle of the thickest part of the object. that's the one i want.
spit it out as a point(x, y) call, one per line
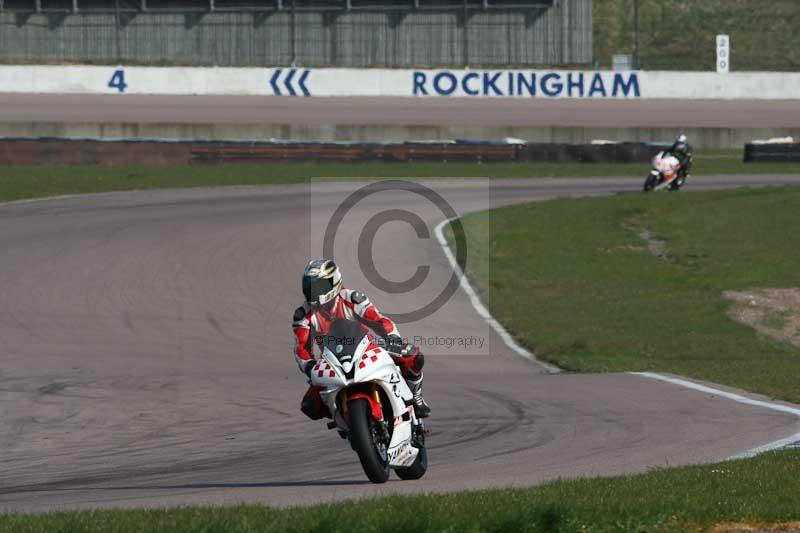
point(397, 111)
point(146, 356)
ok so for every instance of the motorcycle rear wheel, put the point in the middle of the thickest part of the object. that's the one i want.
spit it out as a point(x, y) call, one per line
point(363, 438)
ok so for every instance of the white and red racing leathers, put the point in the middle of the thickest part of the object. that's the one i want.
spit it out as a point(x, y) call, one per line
point(311, 323)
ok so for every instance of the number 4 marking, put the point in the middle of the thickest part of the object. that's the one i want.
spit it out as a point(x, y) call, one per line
point(117, 81)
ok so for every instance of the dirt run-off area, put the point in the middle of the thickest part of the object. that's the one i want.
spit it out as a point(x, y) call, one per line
point(788, 527)
point(773, 312)
point(656, 247)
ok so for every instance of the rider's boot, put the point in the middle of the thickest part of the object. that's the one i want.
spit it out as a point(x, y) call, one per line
point(421, 408)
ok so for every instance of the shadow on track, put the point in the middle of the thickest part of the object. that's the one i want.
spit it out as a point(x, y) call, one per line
point(311, 483)
point(59, 487)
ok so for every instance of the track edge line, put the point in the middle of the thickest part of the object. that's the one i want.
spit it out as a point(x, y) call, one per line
point(480, 308)
point(752, 452)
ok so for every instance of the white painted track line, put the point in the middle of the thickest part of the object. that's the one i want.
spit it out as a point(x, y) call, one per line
point(481, 309)
point(770, 447)
point(484, 313)
point(716, 392)
point(775, 445)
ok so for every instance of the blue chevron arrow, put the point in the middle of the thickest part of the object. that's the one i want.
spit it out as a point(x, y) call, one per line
point(290, 86)
point(274, 82)
point(288, 82)
point(302, 82)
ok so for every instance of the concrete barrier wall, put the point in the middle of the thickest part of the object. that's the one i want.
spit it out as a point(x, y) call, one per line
point(292, 82)
point(702, 138)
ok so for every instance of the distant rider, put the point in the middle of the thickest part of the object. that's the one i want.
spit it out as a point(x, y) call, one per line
point(683, 153)
point(326, 301)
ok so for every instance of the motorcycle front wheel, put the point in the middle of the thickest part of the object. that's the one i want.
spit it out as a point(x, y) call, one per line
point(650, 183)
point(366, 441)
point(417, 468)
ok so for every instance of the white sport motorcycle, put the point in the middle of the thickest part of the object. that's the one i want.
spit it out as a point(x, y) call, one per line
point(371, 404)
point(664, 174)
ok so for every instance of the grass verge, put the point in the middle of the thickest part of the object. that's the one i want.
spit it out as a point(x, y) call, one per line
point(31, 182)
point(764, 489)
point(574, 280)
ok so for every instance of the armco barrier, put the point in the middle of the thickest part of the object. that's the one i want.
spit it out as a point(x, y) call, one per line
point(92, 152)
point(299, 82)
point(770, 152)
point(588, 153)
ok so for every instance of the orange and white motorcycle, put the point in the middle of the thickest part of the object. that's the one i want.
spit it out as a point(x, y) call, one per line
point(371, 403)
point(665, 173)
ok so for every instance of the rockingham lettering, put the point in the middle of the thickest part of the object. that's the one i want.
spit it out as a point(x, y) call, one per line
point(445, 88)
point(621, 85)
point(489, 82)
point(551, 84)
point(529, 82)
point(465, 84)
point(575, 81)
point(539, 84)
point(598, 88)
point(419, 84)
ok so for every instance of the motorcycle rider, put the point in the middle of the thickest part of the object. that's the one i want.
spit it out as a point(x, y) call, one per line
point(325, 301)
point(682, 151)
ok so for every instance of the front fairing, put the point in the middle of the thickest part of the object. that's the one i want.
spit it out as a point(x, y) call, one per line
point(328, 373)
point(371, 365)
point(665, 163)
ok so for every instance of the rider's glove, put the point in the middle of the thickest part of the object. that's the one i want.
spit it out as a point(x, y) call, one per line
point(307, 366)
point(394, 344)
point(409, 358)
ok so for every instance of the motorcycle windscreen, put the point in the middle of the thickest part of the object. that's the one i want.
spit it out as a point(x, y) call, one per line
point(343, 337)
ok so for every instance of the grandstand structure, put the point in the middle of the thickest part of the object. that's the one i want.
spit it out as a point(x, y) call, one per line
point(135, 6)
point(311, 33)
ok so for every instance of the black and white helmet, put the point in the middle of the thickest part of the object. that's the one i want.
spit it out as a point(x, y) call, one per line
point(322, 281)
point(681, 143)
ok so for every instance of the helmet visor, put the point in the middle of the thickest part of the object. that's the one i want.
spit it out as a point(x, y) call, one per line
point(313, 288)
